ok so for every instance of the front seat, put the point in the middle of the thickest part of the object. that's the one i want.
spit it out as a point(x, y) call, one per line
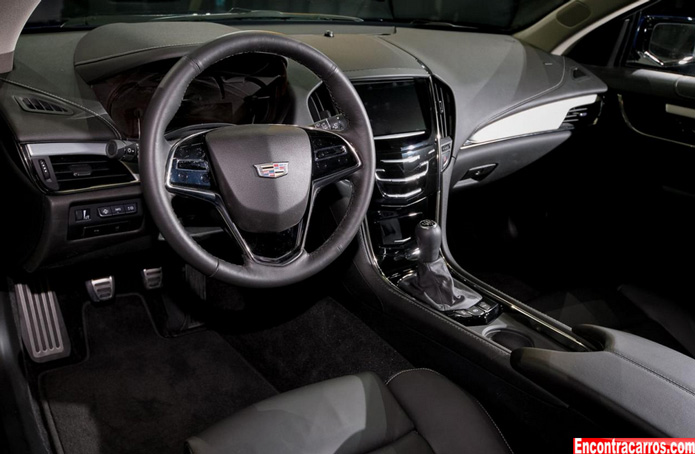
point(416, 411)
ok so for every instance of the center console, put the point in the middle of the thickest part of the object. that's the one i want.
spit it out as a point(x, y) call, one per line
point(412, 121)
point(407, 167)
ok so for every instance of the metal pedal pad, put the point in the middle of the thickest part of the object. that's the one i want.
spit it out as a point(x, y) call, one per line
point(41, 323)
point(152, 278)
point(102, 289)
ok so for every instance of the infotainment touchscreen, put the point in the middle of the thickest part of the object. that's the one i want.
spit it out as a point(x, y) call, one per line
point(393, 107)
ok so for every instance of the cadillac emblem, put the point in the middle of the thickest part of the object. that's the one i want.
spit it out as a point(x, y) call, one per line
point(272, 169)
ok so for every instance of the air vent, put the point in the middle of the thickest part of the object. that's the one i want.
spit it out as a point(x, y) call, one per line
point(446, 112)
point(582, 116)
point(86, 171)
point(37, 105)
point(320, 104)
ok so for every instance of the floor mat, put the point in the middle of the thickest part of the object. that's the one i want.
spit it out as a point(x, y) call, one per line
point(141, 393)
point(325, 342)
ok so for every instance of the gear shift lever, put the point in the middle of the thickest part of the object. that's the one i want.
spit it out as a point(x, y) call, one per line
point(433, 282)
point(429, 239)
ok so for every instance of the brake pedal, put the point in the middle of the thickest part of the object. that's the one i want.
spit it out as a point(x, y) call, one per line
point(41, 323)
point(152, 278)
point(102, 289)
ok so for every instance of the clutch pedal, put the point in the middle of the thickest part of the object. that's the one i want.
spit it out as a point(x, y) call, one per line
point(41, 323)
point(152, 278)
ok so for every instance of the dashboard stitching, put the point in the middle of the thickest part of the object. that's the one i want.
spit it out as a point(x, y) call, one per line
point(498, 116)
point(67, 101)
point(132, 52)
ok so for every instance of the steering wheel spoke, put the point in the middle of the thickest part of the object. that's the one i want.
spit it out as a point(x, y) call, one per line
point(333, 157)
point(275, 248)
point(189, 171)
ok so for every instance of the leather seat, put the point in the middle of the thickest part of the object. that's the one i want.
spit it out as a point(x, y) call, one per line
point(416, 411)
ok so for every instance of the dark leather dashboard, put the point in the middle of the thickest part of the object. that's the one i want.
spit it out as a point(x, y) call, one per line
point(490, 75)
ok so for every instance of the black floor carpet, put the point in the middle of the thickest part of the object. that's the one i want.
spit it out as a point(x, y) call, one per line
point(325, 342)
point(138, 392)
point(141, 393)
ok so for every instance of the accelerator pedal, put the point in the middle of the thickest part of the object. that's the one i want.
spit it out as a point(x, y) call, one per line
point(41, 323)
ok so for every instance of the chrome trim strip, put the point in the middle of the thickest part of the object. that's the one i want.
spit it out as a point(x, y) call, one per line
point(409, 179)
point(407, 160)
point(400, 135)
point(402, 196)
point(508, 301)
point(469, 145)
point(407, 205)
point(26, 158)
point(65, 148)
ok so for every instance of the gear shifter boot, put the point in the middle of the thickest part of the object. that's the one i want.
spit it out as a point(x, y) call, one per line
point(433, 283)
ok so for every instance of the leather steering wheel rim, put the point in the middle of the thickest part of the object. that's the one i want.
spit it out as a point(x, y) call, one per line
point(155, 149)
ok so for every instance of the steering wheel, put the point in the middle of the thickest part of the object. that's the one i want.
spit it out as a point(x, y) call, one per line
point(263, 179)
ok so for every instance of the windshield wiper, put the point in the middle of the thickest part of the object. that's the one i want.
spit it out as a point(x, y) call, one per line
point(258, 14)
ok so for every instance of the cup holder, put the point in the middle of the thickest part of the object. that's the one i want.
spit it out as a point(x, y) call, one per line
point(510, 339)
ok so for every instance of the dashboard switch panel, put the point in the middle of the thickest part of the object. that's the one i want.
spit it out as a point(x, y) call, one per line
point(111, 217)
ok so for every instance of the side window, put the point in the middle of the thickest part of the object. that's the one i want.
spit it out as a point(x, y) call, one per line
point(664, 38)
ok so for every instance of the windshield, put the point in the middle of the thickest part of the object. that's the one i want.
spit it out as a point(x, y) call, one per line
point(490, 15)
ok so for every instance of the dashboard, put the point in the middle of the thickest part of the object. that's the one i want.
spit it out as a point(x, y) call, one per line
point(449, 110)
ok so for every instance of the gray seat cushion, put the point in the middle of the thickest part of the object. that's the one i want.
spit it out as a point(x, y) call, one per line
point(418, 411)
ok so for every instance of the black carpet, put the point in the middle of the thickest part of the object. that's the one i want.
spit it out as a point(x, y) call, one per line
point(140, 393)
point(325, 342)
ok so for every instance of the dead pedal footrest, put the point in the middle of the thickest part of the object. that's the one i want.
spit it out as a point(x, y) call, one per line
point(41, 323)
